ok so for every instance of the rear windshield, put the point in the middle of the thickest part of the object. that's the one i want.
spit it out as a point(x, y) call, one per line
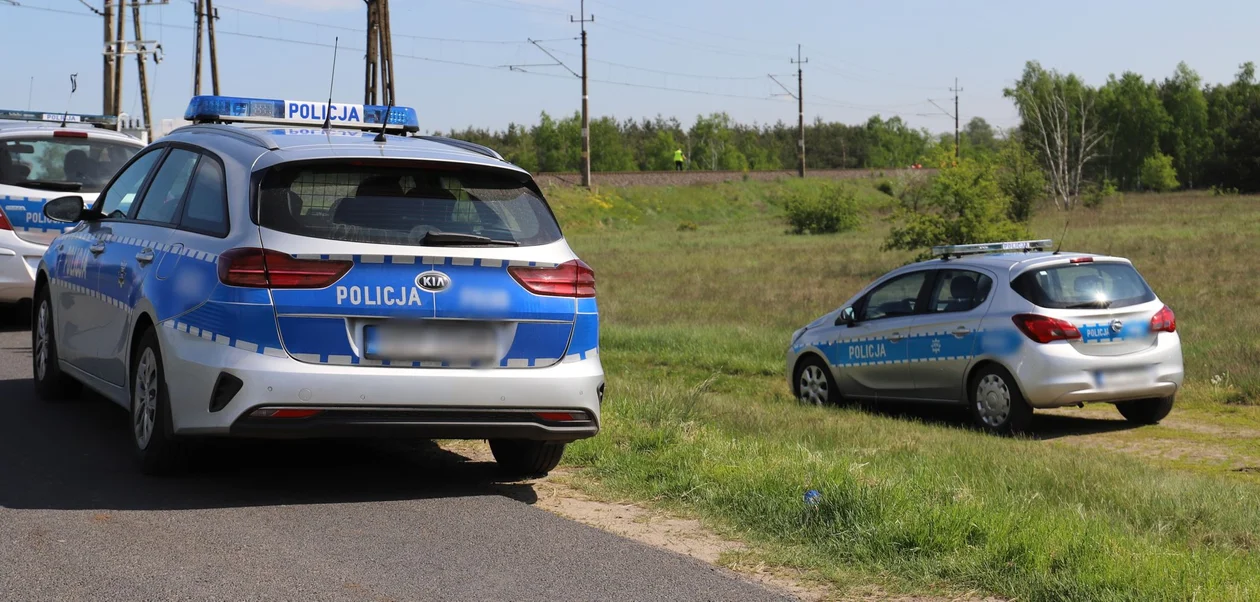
point(63, 164)
point(420, 205)
point(1084, 286)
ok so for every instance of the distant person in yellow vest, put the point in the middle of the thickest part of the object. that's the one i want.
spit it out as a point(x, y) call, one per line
point(678, 160)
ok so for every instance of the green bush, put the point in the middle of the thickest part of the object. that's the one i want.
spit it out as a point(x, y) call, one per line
point(1020, 178)
point(1096, 193)
point(964, 204)
point(819, 207)
point(1158, 173)
point(886, 187)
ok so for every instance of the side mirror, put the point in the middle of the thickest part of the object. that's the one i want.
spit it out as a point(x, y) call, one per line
point(846, 317)
point(66, 209)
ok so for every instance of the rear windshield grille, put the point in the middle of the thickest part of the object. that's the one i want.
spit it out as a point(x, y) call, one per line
point(400, 205)
point(1084, 286)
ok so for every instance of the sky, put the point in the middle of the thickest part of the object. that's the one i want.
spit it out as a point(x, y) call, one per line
point(470, 63)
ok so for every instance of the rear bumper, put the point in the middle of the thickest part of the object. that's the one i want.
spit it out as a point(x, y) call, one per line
point(18, 262)
point(373, 401)
point(1056, 375)
point(421, 423)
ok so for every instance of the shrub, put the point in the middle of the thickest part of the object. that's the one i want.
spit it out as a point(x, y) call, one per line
point(1158, 173)
point(886, 187)
point(818, 207)
point(1096, 193)
point(1020, 178)
point(1223, 191)
point(688, 227)
point(964, 204)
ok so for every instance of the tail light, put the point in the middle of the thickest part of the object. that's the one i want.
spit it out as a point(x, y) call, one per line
point(570, 279)
point(562, 416)
point(1044, 329)
point(264, 268)
point(1164, 321)
point(4, 222)
point(284, 413)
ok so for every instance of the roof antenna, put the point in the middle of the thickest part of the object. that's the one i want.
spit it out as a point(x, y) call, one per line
point(1066, 222)
point(380, 137)
point(332, 79)
point(74, 85)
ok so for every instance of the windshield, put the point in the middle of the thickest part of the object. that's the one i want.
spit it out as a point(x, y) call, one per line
point(65, 164)
point(398, 204)
point(1084, 286)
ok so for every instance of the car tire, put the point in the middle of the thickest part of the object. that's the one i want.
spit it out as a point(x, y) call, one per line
point(157, 449)
point(995, 402)
point(50, 382)
point(813, 384)
point(521, 458)
point(1146, 411)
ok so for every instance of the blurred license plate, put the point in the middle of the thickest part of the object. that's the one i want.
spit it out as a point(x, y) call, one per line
point(433, 341)
point(1131, 378)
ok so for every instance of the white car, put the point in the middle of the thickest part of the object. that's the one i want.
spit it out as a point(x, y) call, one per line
point(322, 279)
point(41, 159)
point(1003, 328)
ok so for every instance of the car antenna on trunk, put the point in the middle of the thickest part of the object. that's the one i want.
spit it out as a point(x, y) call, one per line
point(332, 79)
point(1066, 222)
point(380, 137)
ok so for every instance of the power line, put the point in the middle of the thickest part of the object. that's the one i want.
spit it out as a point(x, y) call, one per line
point(664, 72)
point(84, 3)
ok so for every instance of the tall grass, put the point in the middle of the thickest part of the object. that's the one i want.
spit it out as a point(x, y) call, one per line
point(698, 416)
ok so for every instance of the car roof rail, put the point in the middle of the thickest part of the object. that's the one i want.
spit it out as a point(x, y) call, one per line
point(466, 145)
point(252, 136)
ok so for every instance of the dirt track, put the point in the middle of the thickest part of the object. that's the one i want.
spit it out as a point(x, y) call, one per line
point(685, 178)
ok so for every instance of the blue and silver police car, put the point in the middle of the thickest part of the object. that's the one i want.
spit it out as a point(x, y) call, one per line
point(44, 156)
point(296, 269)
point(1003, 328)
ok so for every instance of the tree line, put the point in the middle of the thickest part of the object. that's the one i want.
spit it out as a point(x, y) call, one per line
point(1129, 133)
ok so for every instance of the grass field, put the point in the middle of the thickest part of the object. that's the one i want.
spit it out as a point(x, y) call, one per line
point(700, 289)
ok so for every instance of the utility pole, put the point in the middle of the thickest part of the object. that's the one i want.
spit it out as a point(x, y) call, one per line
point(141, 70)
point(957, 136)
point(800, 103)
point(119, 45)
point(586, 113)
point(380, 55)
point(107, 75)
point(206, 13)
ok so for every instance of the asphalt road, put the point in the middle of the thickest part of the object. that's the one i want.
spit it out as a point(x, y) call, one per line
point(291, 521)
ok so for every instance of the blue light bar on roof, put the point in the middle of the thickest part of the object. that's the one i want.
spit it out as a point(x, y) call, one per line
point(231, 109)
point(107, 121)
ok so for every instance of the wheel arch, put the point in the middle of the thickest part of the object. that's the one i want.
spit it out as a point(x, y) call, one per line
point(807, 355)
point(969, 382)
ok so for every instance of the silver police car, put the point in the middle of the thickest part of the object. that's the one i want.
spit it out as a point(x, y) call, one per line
point(250, 280)
point(1003, 328)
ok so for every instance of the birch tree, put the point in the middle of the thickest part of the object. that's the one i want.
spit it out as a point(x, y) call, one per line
point(1061, 123)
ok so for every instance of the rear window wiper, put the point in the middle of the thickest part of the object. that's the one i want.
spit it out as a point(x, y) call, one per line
point(1090, 305)
point(454, 238)
point(51, 185)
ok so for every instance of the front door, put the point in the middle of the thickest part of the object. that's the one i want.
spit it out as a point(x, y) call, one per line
point(870, 356)
point(79, 306)
point(943, 339)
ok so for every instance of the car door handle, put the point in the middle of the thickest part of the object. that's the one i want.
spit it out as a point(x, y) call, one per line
point(97, 248)
point(145, 256)
point(894, 337)
point(962, 331)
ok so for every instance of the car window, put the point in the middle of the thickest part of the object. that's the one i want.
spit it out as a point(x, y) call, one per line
point(161, 201)
point(402, 203)
point(206, 208)
point(960, 290)
point(1084, 286)
point(72, 164)
point(116, 203)
point(897, 297)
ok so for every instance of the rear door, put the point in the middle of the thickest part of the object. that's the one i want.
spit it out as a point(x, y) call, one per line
point(445, 266)
point(943, 339)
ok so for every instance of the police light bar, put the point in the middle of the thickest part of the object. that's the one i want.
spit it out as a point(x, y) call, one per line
point(106, 121)
point(231, 109)
point(992, 247)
